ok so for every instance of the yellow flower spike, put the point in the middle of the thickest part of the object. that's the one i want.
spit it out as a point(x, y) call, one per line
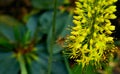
point(109, 2)
point(111, 9)
point(106, 15)
point(107, 21)
point(71, 37)
point(106, 28)
point(97, 19)
point(77, 46)
point(112, 16)
point(103, 2)
point(76, 28)
point(91, 41)
point(115, 0)
point(89, 14)
point(110, 38)
point(75, 33)
point(89, 9)
point(101, 19)
point(84, 34)
point(85, 46)
point(101, 37)
point(76, 22)
point(77, 17)
point(89, 37)
point(92, 11)
point(94, 35)
point(85, 5)
point(91, 1)
point(74, 53)
point(96, 26)
point(88, 30)
point(108, 24)
point(81, 38)
point(81, 0)
point(77, 11)
point(108, 32)
point(78, 5)
point(112, 27)
point(83, 20)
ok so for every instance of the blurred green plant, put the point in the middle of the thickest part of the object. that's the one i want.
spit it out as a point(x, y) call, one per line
point(27, 46)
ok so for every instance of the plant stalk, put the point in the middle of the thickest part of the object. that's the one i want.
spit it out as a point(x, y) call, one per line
point(52, 38)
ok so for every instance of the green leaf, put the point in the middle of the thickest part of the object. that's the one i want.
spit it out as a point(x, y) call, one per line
point(11, 32)
point(8, 64)
point(45, 21)
point(33, 27)
point(8, 20)
point(58, 67)
point(46, 4)
point(19, 31)
point(61, 29)
point(8, 28)
point(36, 60)
point(41, 66)
point(7, 32)
point(5, 45)
point(89, 69)
point(26, 38)
point(77, 69)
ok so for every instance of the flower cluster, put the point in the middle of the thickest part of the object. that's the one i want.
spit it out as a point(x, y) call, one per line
point(90, 36)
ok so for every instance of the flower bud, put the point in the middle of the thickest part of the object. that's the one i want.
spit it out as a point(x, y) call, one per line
point(108, 32)
point(74, 33)
point(112, 27)
point(85, 46)
point(94, 35)
point(89, 14)
point(71, 37)
point(77, 17)
point(112, 16)
point(76, 22)
point(91, 41)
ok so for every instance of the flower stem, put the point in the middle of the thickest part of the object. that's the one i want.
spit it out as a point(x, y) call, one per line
point(22, 64)
point(52, 38)
point(67, 64)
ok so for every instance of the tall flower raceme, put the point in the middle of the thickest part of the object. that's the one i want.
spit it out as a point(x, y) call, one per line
point(90, 37)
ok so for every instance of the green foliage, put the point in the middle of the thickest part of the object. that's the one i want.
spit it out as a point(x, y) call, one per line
point(7, 62)
point(46, 4)
point(15, 38)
